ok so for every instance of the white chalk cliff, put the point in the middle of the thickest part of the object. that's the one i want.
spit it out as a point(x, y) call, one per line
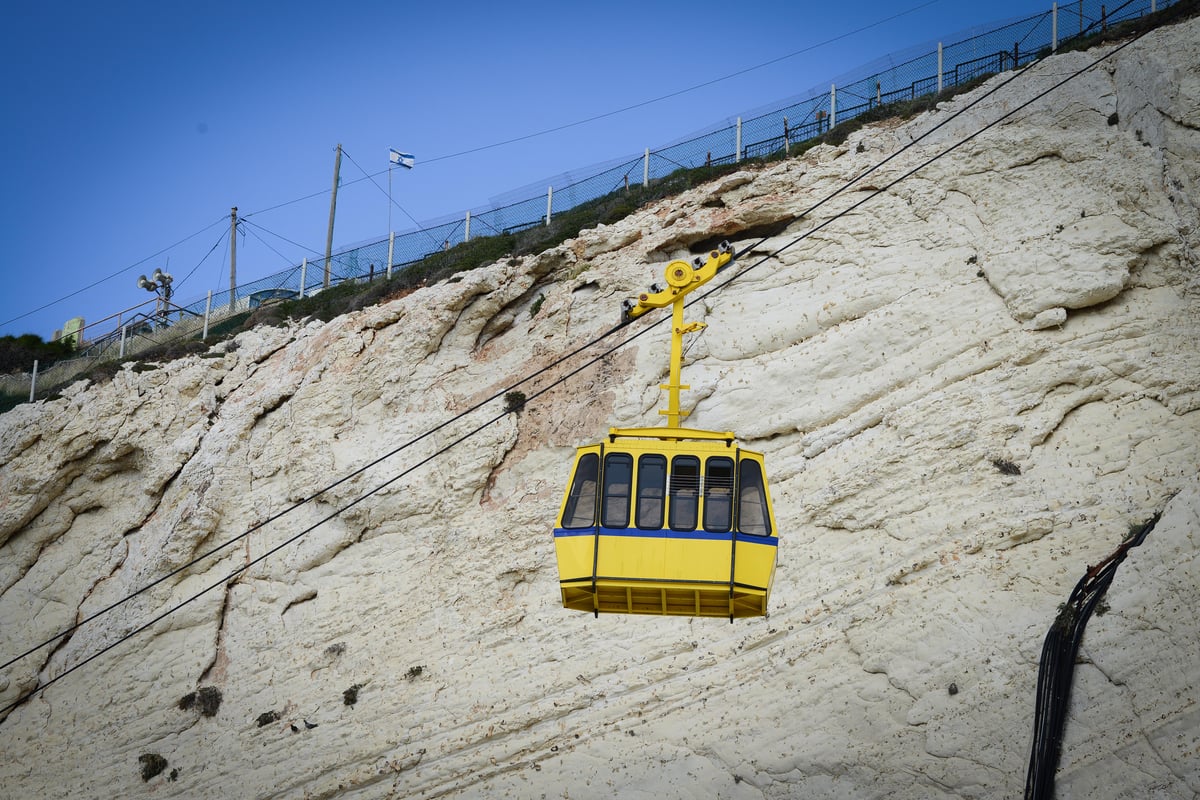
point(968, 389)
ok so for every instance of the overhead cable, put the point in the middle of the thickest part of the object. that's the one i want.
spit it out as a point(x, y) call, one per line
point(561, 360)
point(121, 271)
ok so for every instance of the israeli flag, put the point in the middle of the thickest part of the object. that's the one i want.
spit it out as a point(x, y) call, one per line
point(402, 159)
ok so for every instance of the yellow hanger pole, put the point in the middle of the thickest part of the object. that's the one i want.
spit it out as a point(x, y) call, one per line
point(682, 278)
point(673, 413)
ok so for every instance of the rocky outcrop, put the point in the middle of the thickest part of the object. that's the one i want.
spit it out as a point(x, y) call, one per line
point(969, 386)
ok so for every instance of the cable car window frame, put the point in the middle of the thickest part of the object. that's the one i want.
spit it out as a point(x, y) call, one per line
point(684, 494)
point(718, 494)
point(576, 516)
point(615, 492)
point(752, 495)
point(651, 491)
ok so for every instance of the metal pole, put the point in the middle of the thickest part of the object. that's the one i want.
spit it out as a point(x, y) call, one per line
point(939, 67)
point(1054, 27)
point(737, 152)
point(303, 281)
point(207, 310)
point(787, 142)
point(673, 413)
point(549, 199)
point(33, 381)
point(232, 257)
point(391, 249)
point(121, 349)
point(832, 106)
point(467, 233)
point(646, 169)
point(337, 168)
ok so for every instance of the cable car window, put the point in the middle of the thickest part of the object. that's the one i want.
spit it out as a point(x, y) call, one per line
point(651, 486)
point(580, 510)
point(618, 477)
point(685, 491)
point(718, 494)
point(753, 516)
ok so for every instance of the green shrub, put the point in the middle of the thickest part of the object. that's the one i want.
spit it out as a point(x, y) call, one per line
point(17, 353)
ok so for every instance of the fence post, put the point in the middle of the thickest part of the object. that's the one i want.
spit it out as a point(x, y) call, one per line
point(646, 169)
point(549, 200)
point(33, 381)
point(832, 106)
point(391, 249)
point(1054, 27)
point(787, 142)
point(1103, 18)
point(939, 67)
point(207, 309)
point(121, 348)
point(1081, 17)
point(737, 151)
point(466, 231)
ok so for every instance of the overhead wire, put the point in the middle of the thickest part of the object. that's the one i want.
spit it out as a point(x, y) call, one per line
point(679, 92)
point(265, 243)
point(879, 190)
point(561, 360)
point(216, 244)
point(587, 345)
point(494, 145)
point(258, 526)
point(615, 112)
point(371, 178)
point(278, 236)
point(337, 512)
point(121, 271)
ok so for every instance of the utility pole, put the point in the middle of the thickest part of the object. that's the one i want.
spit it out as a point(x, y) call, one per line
point(337, 166)
point(232, 257)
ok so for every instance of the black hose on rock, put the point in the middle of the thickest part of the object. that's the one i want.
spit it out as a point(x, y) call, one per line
point(1057, 668)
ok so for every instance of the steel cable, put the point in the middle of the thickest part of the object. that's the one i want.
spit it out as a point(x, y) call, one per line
point(523, 381)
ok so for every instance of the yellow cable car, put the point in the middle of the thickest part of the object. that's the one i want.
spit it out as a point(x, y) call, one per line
point(668, 520)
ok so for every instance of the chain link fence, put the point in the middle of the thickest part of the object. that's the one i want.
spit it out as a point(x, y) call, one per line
point(769, 135)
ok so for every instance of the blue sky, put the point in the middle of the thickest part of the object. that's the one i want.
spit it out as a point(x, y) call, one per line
point(133, 127)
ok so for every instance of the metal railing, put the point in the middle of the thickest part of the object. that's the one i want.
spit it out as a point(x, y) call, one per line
point(767, 135)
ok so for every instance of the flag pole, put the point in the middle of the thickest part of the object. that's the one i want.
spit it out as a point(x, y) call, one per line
point(405, 160)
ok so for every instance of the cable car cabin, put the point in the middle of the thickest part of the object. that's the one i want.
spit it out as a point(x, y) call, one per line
point(667, 521)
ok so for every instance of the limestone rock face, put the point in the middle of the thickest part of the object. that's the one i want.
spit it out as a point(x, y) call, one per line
point(969, 384)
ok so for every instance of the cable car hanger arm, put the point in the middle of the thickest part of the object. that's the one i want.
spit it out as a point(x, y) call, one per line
point(681, 278)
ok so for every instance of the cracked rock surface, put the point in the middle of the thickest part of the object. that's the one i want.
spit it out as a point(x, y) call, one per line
point(968, 389)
